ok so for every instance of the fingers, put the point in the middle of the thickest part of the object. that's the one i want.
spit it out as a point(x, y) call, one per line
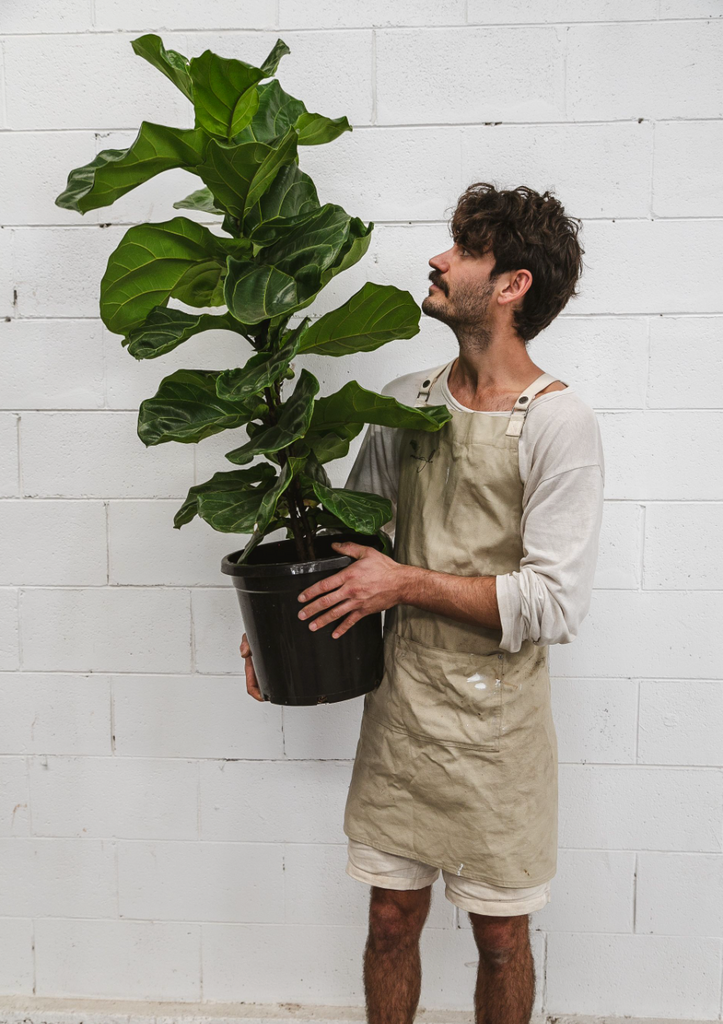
point(344, 608)
point(252, 683)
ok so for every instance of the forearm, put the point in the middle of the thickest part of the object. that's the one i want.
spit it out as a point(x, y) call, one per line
point(467, 598)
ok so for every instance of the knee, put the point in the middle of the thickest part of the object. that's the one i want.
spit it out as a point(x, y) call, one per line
point(396, 918)
point(499, 940)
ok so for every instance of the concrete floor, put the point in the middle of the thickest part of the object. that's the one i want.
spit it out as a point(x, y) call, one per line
point(44, 1010)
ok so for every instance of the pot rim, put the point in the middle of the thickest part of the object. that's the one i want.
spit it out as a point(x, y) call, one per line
point(322, 564)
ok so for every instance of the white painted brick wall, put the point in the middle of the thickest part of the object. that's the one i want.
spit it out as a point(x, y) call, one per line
point(162, 836)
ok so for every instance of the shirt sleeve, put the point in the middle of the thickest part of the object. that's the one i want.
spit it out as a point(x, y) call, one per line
point(547, 599)
point(375, 469)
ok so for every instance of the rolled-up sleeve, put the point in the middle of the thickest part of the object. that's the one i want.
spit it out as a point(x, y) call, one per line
point(547, 599)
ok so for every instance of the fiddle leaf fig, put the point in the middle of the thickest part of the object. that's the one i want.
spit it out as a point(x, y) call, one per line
point(218, 86)
point(202, 199)
point(114, 172)
point(354, 404)
point(315, 129)
point(238, 482)
point(164, 329)
point(154, 262)
point(375, 315)
point(261, 370)
point(292, 424)
point(358, 510)
point(186, 408)
point(271, 64)
point(169, 62)
point(274, 248)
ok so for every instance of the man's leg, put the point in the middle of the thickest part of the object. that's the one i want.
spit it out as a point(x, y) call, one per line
point(392, 967)
point(505, 989)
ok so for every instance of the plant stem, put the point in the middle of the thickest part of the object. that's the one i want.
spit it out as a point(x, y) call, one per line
point(300, 526)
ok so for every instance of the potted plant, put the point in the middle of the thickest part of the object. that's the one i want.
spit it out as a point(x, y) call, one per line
point(278, 246)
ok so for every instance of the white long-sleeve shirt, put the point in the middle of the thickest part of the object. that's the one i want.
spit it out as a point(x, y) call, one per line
point(562, 470)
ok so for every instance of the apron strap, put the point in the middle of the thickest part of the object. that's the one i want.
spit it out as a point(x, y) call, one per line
point(517, 417)
point(428, 383)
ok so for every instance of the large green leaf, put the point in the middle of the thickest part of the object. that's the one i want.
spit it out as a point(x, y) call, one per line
point(218, 85)
point(291, 195)
point(358, 510)
point(164, 329)
point(171, 63)
point(354, 404)
point(293, 423)
point(228, 170)
point(186, 408)
point(238, 482)
point(375, 315)
point(277, 112)
point(154, 262)
point(282, 153)
point(114, 172)
point(261, 370)
point(287, 274)
point(354, 248)
point(315, 129)
point(328, 445)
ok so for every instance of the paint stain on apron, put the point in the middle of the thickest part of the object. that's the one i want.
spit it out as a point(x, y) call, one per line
point(456, 764)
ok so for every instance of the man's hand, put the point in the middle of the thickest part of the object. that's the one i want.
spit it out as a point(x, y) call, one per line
point(371, 584)
point(252, 683)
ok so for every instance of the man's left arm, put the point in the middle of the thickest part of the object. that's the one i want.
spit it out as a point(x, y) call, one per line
point(375, 582)
point(544, 600)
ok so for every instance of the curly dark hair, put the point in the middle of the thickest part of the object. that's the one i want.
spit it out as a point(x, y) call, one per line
point(523, 230)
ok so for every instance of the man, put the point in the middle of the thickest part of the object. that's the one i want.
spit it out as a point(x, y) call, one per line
point(497, 518)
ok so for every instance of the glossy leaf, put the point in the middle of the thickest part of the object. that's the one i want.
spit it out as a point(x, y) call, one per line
point(228, 171)
point(293, 423)
point(186, 408)
point(354, 404)
point(283, 153)
point(238, 481)
point(154, 262)
point(277, 112)
point(287, 274)
point(164, 329)
point(114, 172)
point(358, 510)
point(333, 444)
point(218, 85)
point(231, 512)
point(373, 316)
point(292, 194)
point(354, 248)
point(202, 199)
point(261, 370)
point(169, 62)
point(315, 129)
point(246, 106)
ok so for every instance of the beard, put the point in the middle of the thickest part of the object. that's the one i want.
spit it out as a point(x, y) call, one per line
point(465, 312)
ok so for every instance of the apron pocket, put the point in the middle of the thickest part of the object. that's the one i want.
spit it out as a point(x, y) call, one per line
point(449, 696)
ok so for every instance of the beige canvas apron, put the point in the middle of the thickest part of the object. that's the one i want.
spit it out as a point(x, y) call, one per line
point(456, 764)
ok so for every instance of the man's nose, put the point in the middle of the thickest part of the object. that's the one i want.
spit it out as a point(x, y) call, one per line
point(440, 262)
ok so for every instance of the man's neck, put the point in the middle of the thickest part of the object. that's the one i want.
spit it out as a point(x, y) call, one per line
point(489, 369)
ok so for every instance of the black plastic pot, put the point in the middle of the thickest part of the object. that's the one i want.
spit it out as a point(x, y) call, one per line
point(294, 664)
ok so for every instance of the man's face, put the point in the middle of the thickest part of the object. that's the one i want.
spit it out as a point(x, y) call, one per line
point(461, 292)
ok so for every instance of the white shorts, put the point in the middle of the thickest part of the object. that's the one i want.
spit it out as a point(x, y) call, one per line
point(389, 871)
